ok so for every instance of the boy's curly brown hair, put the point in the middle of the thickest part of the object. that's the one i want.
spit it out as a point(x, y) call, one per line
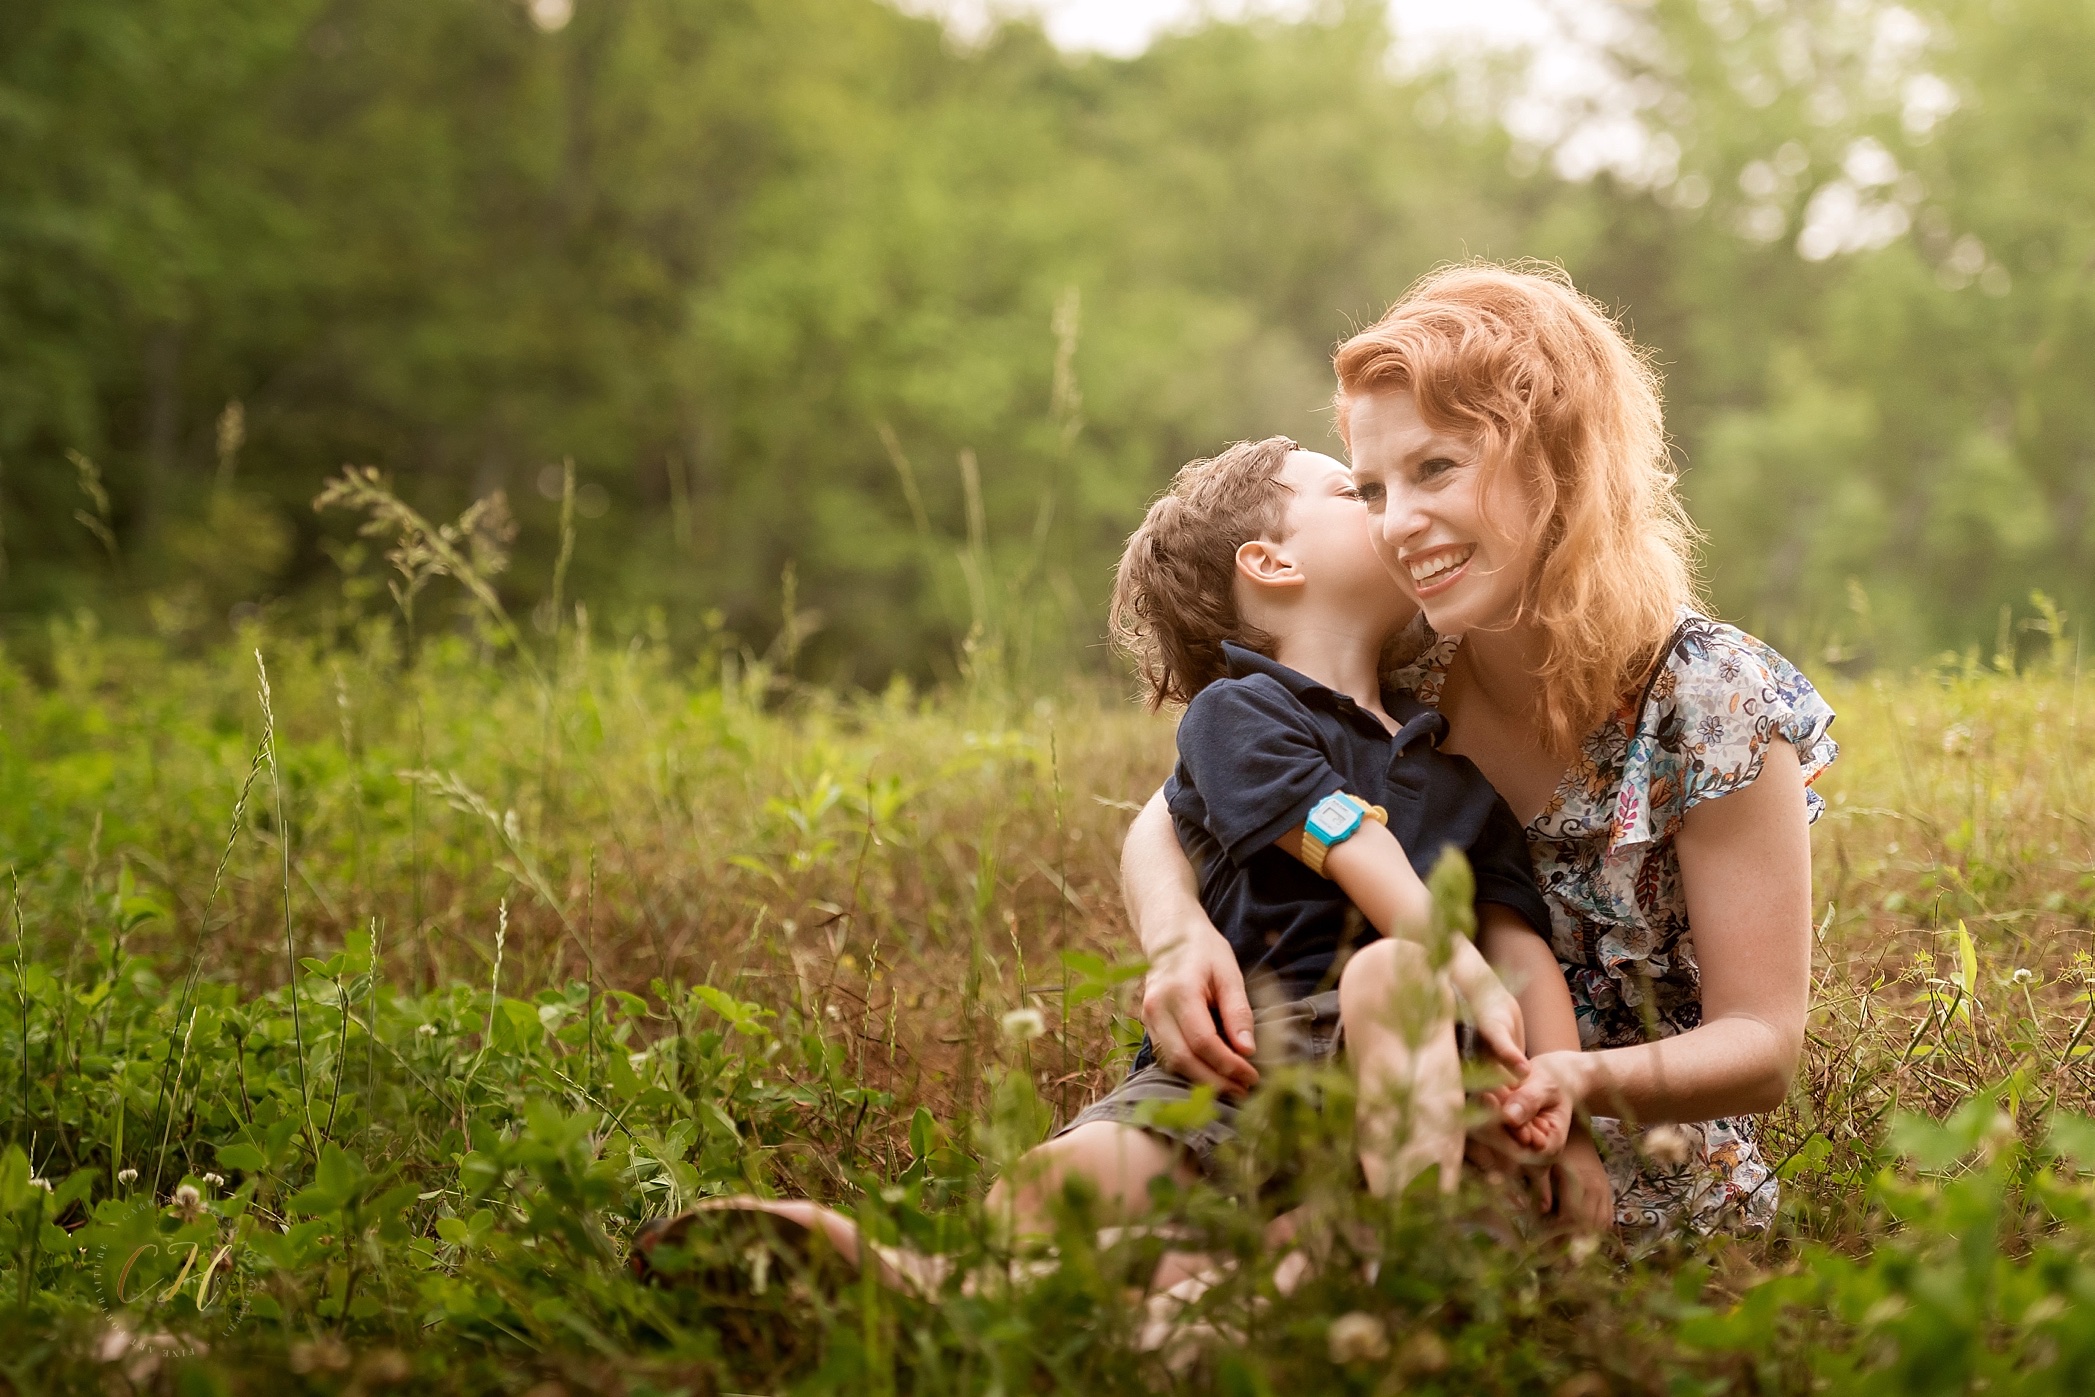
point(1174, 596)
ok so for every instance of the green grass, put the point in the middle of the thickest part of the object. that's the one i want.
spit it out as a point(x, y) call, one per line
point(581, 939)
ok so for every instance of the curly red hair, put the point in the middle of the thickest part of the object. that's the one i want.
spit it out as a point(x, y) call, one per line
point(1547, 384)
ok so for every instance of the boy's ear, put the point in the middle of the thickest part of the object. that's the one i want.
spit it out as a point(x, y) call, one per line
point(1265, 563)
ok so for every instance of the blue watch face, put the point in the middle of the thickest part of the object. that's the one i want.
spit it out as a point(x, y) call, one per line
point(1333, 816)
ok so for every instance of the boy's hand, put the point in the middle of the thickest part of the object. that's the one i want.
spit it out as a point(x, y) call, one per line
point(1494, 1011)
point(1180, 997)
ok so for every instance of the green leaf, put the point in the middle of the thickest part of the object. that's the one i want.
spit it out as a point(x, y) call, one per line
point(245, 1158)
point(1193, 1113)
point(76, 1188)
point(14, 1179)
point(923, 1133)
point(2072, 1137)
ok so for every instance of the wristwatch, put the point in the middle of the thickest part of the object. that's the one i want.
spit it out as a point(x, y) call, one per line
point(1332, 821)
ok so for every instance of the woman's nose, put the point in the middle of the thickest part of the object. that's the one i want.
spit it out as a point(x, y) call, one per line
point(1401, 518)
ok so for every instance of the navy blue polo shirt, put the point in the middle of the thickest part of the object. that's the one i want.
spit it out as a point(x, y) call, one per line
point(1258, 749)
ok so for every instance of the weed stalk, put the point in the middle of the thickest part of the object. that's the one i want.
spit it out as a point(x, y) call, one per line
point(283, 834)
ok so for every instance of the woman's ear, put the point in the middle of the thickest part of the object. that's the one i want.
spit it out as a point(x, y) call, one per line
point(1264, 563)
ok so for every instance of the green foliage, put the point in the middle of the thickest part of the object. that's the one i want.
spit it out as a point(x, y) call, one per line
point(584, 939)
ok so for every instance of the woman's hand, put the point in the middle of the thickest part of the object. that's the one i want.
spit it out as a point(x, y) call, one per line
point(1193, 973)
point(1543, 1103)
point(1190, 980)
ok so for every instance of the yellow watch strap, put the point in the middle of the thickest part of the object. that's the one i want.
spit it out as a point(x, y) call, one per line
point(1314, 850)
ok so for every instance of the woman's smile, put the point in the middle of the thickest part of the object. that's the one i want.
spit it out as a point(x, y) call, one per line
point(1434, 570)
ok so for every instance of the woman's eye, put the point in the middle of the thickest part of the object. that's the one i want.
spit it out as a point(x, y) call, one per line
point(1435, 466)
point(1370, 492)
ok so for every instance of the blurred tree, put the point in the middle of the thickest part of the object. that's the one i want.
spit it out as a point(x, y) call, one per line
point(803, 287)
point(1888, 326)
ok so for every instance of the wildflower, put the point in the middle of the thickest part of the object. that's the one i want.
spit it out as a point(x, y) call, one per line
point(44, 1184)
point(127, 1176)
point(325, 1354)
point(116, 1340)
point(384, 1368)
point(188, 1203)
point(215, 1180)
point(1423, 1352)
point(1024, 1025)
point(1668, 1145)
point(1357, 1338)
point(427, 1030)
point(2024, 975)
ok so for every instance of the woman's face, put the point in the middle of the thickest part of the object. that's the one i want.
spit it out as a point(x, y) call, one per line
point(1462, 551)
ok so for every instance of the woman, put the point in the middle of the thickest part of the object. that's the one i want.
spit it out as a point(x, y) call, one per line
point(1508, 442)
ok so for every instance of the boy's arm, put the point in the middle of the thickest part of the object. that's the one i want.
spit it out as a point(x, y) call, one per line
point(1373, 871)
point(1528, 967)
point(1575, 1184)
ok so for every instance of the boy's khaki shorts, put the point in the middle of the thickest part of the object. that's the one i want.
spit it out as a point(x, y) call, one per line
point(1299, 1032)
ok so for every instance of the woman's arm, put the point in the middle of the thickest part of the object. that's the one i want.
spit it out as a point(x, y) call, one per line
point(1745, 868)
point(1193, 971)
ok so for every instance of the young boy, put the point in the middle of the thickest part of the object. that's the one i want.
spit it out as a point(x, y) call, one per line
point(1304, 792)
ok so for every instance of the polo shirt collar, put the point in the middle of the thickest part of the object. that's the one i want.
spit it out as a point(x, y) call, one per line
point(1420, 722)
point(1243, 662)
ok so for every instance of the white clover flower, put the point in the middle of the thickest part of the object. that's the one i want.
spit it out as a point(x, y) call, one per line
point(188, 1203)
point(427, 1030)
point(1023, 1025)
point(1357, 1337)
point(127, 1176)
point(2023, 975)
point(1668, 1145)
point(116, 1340)
point(215, 1180)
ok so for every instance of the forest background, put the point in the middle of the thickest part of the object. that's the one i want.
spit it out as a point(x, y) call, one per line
point(862, 337)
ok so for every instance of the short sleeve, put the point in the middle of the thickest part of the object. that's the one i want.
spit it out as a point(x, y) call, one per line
point(1250, 765)
point(1721, 698)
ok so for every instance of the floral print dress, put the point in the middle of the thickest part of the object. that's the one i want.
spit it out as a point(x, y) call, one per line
point(1604, 854)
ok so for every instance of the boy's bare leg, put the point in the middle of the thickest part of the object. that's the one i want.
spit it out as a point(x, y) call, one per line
point(1119, 1162)
point(1400, 1035)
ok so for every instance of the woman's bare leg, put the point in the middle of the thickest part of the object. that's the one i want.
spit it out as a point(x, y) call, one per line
point(1400, 1036)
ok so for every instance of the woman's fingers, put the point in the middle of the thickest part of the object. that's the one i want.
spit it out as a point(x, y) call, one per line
point(1539, 1092)
point(1183, 1031)
point(1234, 1004)
point(1180, 1004)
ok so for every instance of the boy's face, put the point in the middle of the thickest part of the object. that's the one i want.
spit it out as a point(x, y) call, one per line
point(1328, 539)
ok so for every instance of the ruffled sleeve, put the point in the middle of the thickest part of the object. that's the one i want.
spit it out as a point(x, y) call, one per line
point(1719, 700)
